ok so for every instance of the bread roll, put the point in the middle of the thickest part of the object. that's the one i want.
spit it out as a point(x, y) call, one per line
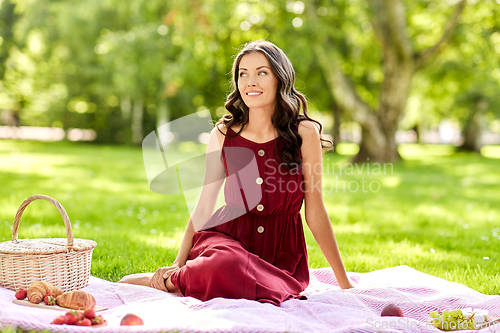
point(76, 299)
point(37, 291)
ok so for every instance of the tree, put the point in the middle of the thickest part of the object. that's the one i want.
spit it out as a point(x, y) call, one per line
point(462, 85)
point(399, 61)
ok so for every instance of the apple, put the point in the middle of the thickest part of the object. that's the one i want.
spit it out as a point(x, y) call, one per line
point(392, 310)
point(131, 319)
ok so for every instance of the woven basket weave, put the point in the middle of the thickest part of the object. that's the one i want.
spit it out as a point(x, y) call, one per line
point(63, 262)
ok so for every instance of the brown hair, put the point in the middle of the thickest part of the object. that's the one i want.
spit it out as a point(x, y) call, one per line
point(287, 112)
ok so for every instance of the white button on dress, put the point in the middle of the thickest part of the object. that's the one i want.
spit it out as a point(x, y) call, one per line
point(259, 180)
point(260, 229)
point(261, 152)
point(260, 207)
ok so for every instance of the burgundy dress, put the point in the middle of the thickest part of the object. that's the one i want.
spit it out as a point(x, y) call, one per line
point(260, 254)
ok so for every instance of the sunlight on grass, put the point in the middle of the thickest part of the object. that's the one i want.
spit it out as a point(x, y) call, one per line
point(391, 181)
point(416, 151)
point(346, 148)
point(173, 241)
point(491, 151)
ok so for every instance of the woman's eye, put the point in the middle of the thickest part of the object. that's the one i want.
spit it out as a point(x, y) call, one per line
point(259, 73)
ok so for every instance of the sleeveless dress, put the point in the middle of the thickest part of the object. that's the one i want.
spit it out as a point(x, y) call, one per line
point(259, 252)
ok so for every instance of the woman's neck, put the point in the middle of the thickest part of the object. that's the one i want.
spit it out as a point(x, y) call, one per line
point(260, 125)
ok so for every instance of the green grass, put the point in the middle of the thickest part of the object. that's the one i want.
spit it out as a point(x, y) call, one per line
point(437, 211)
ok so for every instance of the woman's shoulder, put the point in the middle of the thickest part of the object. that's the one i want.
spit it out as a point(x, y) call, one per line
point(220, 127)
point(221, 130)
point(308, 128)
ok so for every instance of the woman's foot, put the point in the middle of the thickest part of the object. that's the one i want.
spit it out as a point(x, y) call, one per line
point(144, 279)
point(141, 279)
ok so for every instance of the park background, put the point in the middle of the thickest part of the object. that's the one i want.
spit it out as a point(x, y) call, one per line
point(413, 84)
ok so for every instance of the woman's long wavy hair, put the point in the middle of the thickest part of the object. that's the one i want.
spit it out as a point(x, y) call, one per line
point(287, 111)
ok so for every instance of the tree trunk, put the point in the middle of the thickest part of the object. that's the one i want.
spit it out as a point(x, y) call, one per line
point(162, 116)
point(126, 107)
point(418, 132)
point(373, 149)
point(336, 123)
point(474, 127)
point(137, 114)
point(163, 125)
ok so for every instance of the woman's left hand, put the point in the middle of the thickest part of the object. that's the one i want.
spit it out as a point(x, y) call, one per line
point(158, 279)
point(350, 284)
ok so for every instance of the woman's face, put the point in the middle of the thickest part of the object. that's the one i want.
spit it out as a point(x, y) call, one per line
point(255, 75)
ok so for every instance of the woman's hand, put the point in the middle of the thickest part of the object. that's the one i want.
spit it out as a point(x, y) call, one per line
point(161, 274)
point(350, 284)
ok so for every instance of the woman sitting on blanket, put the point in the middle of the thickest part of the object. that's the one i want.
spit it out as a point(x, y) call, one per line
point(259, 254)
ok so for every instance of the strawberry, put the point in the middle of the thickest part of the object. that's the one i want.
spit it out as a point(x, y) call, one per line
point(21, 293)
point(84, 322)
point(80, 315)
point(98, 320)
point(50, 299)
point(70, 318)
point(58, 321)
point(90, 313)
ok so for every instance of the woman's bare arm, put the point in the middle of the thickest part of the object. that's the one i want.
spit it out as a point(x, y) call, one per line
point(316, 215)
point(212, 184)
point(187, 244)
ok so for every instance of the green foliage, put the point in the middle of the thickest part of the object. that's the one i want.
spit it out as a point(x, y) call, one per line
point(465, 72)
point(96, 64)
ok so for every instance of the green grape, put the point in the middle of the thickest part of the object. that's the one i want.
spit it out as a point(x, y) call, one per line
point(434, 314)
point(441, 323)
point(446, 313)
point(463, 325)
point(449, 326)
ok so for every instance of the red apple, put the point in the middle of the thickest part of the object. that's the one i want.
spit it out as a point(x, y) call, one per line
point(131, 319)
point(392, 310)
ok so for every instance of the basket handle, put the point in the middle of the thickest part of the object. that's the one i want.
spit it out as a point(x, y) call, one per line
point(67, 223)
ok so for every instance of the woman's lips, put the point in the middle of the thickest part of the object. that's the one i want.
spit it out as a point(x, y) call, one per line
point(252, 96)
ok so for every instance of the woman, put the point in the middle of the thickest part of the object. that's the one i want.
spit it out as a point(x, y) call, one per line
point(253, 247)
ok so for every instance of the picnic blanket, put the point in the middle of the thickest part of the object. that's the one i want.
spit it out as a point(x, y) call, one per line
point(327, 309)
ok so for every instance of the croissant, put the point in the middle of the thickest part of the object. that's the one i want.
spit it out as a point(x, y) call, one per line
point(76, 299)
point(37, 291)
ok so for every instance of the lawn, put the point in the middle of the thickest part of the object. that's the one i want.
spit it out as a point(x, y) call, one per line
point(437, 211)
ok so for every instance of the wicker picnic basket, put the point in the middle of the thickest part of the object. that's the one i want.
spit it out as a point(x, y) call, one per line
point(63, 262)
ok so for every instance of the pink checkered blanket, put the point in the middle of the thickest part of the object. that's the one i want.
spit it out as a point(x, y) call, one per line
point(327, 309)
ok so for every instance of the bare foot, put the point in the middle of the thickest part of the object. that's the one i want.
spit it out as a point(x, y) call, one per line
point(141, 279)
point(144, 279)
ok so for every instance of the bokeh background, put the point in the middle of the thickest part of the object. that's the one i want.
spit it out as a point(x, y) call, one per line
point(410, 83)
